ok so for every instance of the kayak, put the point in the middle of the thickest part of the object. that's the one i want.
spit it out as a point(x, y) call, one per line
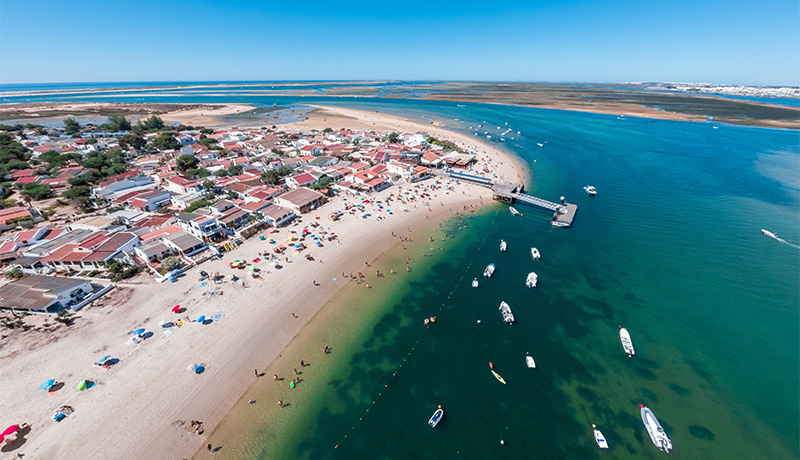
point(497, 376)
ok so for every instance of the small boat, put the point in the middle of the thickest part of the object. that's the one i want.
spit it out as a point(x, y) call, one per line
point(535, 254)
point(657, 434)
point(529, 361)
point(475, 283)
point(503, 245)
point(489, 271)
point(436, 417)
point(514, 211)
point(625, 340)
point(599, 438)
point(505, 310)
point(768, 233)
point(496, 375)
point(531, 280)
point(590, 190)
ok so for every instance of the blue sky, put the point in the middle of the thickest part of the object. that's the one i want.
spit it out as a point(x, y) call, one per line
point(733, 41)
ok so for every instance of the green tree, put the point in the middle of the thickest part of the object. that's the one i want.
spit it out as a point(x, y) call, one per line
point(77, 191)
point(71, 126)
point(393, 137)
point(154, 123)
point(206, 131)
point(325, 182)
point(235, 170)
point(131, 141)
point(327, 130)
point(13, 155)
point(166, 142)
point(198, 173)
point(187, 162)
point(273, 176)
point(197, 205)
point(36, 191)
point(207, 141)
point(118, 123)
point(170, 263)
point(77, 180)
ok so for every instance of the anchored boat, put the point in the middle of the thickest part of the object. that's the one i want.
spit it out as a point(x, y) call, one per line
point(475, 283)
point(531, 280)
point(505, 310)
point(436, 417)
point(654, 429)
point(625, 340)
point(599, 438)
point(514, 211)
point(503, 246)
point(489, 271)
point(535, 254)
point(529, 361)
point(590, 190)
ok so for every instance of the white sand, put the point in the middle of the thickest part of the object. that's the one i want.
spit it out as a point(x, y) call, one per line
point(137, 408)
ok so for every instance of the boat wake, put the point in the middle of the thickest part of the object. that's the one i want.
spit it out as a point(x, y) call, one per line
point(778, 239)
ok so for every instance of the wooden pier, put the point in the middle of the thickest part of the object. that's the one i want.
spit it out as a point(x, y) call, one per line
point(510, 193)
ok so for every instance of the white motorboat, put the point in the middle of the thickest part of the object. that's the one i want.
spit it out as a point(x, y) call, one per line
point(768, 233)
point(436, 417)
point(505, 310)
point(531, 280)
point(489, 271)
point(590, 190)
point(503, 246)
point(475, 283)
point(529, 361)
point(599, 438)
point(625, 340)
point(514, 211)
point(535, 254)
point(654, 429)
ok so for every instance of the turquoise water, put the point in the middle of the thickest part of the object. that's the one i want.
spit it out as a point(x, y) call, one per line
point(669, 248)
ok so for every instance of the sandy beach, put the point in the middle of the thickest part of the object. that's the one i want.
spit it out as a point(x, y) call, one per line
point(142, 406)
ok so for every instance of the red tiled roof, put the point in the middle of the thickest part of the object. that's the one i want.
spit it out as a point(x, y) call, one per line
point(23, 173)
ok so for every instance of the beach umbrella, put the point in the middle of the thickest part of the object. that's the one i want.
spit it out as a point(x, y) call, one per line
point(102, 360)
point(176, 308)
point(10, 430)
point(201, 318)
point(48, 384)
point(82, 385)
point(139, 331)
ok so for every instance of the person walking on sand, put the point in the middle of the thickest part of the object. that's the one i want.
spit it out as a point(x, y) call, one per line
point(295, 371)
point(256, 371)
point(302, 363)
point(280, 404)
point(275, 377)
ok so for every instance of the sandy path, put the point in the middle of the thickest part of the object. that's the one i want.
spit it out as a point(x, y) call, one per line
point(136, 408)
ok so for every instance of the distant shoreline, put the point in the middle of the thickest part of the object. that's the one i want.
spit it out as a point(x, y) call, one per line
point(638, 100)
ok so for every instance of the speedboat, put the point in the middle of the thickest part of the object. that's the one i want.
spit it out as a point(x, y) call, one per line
point(503, 245)
point(599, 438)
point(531, 280)
point(505, 310)
point(769, 234)
point(436, 417)
point(625, 340)
point(590, 190)
point(496, 375)
point(535, 254)
point(475, 283)
point(654, 429)
point(489, 271)
point(514, 211)
point(529, 361)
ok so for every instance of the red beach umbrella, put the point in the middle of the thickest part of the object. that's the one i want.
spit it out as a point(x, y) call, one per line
point(176, 308)
point(8, 431)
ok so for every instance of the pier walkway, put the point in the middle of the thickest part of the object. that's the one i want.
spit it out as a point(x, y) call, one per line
point(510, 193)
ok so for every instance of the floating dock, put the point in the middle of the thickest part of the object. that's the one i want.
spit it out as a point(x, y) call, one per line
point(510, 193)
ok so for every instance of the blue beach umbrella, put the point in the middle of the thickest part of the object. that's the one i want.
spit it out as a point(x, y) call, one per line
point(201, 318)
point(47, 385)
point(139, 331)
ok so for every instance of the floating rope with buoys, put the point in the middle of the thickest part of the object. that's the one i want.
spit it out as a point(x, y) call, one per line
point(408, 355)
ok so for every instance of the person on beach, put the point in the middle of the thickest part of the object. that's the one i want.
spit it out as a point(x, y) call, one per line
point(250, 401)
point(275, 377)
point(302, 363)
point(295, 372)
point(280, 404)
point(209, 448)
point(256, 371)
point(325, 350)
